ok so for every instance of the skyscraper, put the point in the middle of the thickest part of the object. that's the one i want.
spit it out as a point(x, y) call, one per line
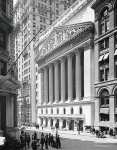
point(30, 17)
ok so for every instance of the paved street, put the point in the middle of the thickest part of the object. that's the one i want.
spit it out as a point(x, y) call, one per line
point(68, 144)
point(82, 142)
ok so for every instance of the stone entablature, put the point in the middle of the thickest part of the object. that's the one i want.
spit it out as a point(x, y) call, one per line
point(75, 8)
point(67, 36)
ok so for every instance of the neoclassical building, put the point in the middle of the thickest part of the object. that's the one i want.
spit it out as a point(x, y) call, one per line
point(106, 64)
point(66, 71)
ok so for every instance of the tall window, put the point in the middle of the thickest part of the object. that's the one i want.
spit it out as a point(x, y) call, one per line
point(104, 98)
point(115, 97)
point(3, 68)
point(3, 5)
point(104, 21)
point(104, 44)
point(115, 15)
point(2, 39)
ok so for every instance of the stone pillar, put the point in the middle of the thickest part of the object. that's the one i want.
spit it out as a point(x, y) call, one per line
point(51, 83)
point(56, 74)
point(46, 94)
point(78, 76)
point(97, 113)
point(70, 79)
point(60, 124)
point(15, 110)
point(49, 125)
point(111, 57)
point(42, 87)
point(96, 63)
point(67, 124)
point(112, 111)
point(63, 79)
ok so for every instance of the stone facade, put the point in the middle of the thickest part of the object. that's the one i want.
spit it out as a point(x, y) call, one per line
point(8, 76)
point(105, 65)
point(66, 65)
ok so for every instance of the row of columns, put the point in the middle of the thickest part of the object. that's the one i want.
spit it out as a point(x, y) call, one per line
point(61, 123)
point(52, 87)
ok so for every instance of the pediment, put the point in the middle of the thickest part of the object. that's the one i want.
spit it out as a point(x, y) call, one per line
point(62, 34)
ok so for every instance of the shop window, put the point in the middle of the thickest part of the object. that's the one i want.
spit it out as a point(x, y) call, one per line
point(104, 99)
point(104, 117)
point(104, 21)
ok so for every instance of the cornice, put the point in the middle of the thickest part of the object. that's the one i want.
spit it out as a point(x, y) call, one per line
point(81, 102)
point(67, 34)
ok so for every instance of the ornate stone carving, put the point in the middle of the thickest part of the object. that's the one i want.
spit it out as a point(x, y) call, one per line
point(61, 35)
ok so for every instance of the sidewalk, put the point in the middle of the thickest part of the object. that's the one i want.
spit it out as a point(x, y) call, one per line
point(82, 136)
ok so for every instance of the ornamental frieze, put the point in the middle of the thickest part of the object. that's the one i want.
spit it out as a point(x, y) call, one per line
point(61, 35)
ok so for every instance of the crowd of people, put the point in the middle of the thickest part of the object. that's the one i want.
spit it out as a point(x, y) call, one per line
point(38, 143)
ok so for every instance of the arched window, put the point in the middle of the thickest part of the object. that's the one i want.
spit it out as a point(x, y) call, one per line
point(80, 110)
point(104, 98)
point(115, 97)
point(72, 110)
point(104, 21)
point(115, 14)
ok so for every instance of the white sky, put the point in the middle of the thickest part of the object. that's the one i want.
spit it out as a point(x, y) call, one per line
point(14, 1)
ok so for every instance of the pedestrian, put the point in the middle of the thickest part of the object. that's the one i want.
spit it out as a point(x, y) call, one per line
point(22, 140)
point(35, 136)
point(49, 139)
point(42, 141)
point(34, 144)
point(58, 141)
point(28, 139)
point(46, 142)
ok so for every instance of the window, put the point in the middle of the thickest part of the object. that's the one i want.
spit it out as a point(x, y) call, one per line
point(3, 5)
point(72, 110)
point(104, 117)
point(41, 111)
point(64, 111)
point(115, 14)
point(57, 111)
point(2, 39)
point(104, 21)
point(80, 110)
point(115, 97)
point(104, 98)
point(51, 111)
point(104, 71)
point(3, 68)
point(104, 44)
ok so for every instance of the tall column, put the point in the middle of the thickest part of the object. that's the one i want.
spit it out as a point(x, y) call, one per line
point(63, 79)
point(70, 81)
point(111, 57)
point(42, 86)
point(46, 94)
point(51, 83)
point(56, 74)
point(97, 113)
point(78, 75)
point(112, 111)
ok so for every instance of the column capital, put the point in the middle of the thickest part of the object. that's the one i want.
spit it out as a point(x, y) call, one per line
point(62, 59)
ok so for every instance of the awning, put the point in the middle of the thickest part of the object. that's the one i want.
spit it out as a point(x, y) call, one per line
point(101, 58)
point(115, 52)
point(106, 56)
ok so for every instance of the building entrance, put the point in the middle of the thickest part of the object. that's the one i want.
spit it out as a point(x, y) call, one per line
point(71, 125)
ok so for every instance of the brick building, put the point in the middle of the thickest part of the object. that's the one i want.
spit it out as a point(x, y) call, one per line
point(105, 64)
